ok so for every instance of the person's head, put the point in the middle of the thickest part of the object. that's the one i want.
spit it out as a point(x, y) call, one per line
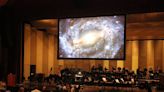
point(44, 88)
point(72, 86)
point(119, 68)
point(36, 87)
point(8, 91)
point(21, 89)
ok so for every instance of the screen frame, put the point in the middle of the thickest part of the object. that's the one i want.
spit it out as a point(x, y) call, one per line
point(66, 58)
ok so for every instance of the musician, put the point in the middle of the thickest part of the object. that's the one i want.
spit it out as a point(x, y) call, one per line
point(93, 69)
point(144, 72)
point(100, 68)
point(105, 69)
point(151, 73)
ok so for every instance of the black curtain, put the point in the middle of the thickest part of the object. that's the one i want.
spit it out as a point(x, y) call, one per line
point(10, 43)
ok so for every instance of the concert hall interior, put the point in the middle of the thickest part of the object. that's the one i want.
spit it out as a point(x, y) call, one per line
point(29, 45)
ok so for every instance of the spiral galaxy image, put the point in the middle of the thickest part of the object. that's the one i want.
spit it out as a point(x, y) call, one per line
point(92, 37)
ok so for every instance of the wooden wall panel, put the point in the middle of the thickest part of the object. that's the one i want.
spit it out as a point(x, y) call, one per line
point(33, 47)
point(150, 54)
point(106, 64)
point(51, 53)
point(45, 54)
point(163, 56)
point(79, 64)
point(39, 52)
point(112, 63)
point(142, 54)
point(60, 66)
point(120, 63)
point(56, 62)
point(128, 61)
point(145, 17)
point(83, 64)
point(92, 63)
point(152, 30)
point(158, 54)
point(27, 45)
point(86, 62)
point(135, 55)
point(98, 62)
point(70, 63)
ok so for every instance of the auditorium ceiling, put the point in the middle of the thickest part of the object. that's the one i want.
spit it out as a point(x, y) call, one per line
point(39, 9)
point(138, 26)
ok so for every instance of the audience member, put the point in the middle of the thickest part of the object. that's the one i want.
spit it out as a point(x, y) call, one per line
point(11, 81)
point(36, 89)
point(21, 89)
point(72, 88)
